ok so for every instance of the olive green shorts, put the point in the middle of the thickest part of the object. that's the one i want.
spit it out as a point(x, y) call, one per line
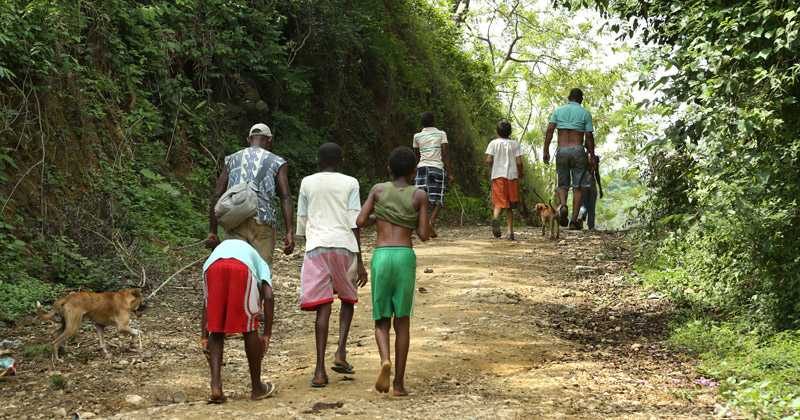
point(394, 274)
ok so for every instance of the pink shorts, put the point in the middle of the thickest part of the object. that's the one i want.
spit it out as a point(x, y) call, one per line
point(327, 271)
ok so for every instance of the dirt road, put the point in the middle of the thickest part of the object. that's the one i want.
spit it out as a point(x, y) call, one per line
point(525, 329)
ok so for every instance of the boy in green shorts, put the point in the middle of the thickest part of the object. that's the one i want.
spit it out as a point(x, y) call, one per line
point(399, 209)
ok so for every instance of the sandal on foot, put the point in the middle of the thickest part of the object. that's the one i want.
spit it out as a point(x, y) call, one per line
point(343, 368)
point(217, 400)
point(270, 390)
point(575, 225)
point(318, 385)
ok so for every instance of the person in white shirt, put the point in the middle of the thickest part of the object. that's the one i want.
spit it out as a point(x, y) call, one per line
point(504, 156)
point(327, 208)
point(433, 165)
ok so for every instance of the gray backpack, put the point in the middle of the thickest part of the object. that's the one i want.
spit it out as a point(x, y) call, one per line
point(236, 205)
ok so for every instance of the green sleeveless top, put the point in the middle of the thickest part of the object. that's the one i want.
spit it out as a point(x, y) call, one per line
point(396, 205)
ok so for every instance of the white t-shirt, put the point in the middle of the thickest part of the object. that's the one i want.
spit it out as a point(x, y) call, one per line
point(429, 141)
point(505, 153)
point(327, 208)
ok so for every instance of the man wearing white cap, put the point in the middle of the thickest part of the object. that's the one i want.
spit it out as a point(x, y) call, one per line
point(270, 175)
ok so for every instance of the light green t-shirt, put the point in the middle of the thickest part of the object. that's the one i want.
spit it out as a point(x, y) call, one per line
point(246, 254)
point(572, 116)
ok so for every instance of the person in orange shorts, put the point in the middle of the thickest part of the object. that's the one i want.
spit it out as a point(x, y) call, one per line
point(504, 156)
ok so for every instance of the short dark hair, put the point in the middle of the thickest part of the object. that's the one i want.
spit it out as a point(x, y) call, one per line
point(330, 154)
point(504, 129)
point(575, 95)
point(402, 161)
point(427, 119)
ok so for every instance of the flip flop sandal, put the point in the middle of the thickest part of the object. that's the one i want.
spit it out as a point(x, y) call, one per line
point(496, 228)
point(270, 390)
point(343, 368)
point(217, 400)
point(316, 385)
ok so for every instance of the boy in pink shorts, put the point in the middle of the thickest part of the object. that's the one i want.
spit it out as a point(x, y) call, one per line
point(327, 207)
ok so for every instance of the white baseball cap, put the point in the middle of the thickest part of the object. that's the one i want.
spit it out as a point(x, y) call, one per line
point(260, 130)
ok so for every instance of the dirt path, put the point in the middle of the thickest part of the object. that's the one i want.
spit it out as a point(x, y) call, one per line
point(528, 329)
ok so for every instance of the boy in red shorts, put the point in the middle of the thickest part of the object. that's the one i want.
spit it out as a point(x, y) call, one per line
point(327, 208)
point(399, 209)
point(237, 289)
point(504, 156)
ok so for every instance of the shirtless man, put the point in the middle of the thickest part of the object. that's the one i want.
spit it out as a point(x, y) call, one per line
point(575, 130)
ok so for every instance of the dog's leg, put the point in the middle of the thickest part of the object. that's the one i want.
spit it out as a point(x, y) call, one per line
point(556, 228)
point(70, 322)
point(99, 328)
point(124, 326)
point(544, 227)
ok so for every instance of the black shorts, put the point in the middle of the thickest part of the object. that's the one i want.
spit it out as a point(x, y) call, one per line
point(433, 181)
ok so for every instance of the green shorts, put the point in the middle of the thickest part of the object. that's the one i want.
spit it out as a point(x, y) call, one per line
point(394, 274)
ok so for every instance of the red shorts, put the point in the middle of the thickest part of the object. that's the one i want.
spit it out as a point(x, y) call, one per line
point(505, 193)
point(232, 297)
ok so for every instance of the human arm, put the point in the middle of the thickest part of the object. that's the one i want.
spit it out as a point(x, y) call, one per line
point(362, 271)
point(353, 209)
point(589, 142)
point(588, 137)
point(286, 206)
point(548, 138)
point(268, 308)
point(203, 328)
point(423, 224)
point(363, 220)
point(489, 159)
point(302, 211)
point(446, 162)
point(221, 185)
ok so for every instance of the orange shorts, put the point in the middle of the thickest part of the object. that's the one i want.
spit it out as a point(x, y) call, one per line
point(505, 193)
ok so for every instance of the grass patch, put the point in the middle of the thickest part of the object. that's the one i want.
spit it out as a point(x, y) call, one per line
point(58, 381)
point(34, 351)
point(758, 375)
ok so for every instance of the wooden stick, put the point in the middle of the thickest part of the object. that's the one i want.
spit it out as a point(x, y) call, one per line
point(173, 276)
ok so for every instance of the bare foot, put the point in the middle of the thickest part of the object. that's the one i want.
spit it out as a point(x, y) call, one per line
point(382, 384)
point(399, 391)
point(262, 391)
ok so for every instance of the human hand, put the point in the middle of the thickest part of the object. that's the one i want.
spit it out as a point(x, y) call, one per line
point(265, 339)
point(592, 162)
point(546, 157)
point(363, 277)
point(288, 244)
point(212, 241)
point(204, 348)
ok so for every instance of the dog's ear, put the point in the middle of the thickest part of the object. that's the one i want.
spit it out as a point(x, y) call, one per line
point(136, 292)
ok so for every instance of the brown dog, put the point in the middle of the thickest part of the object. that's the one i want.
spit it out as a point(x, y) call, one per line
point(104, 309)
point(547, 214)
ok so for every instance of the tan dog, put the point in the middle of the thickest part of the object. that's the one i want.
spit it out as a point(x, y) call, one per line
point(104, 309)
point(547, 214)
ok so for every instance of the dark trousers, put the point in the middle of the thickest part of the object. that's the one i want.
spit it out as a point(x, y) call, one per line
point(590, 202)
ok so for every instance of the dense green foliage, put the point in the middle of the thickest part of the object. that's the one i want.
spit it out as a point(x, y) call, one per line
point(724, 181)
point(721, 219)
point(115, 114)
